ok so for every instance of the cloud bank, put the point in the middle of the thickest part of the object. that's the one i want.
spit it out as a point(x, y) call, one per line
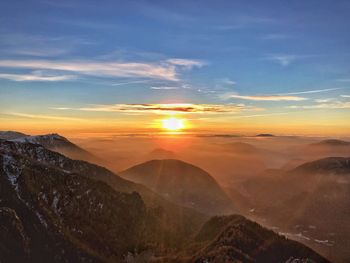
point(171, 108)
point(265, 97)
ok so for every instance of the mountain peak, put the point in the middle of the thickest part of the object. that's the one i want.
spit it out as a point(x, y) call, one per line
point(233, 239)
point(51, 141)
point(329, 165)
point(39, 139)
point(264, 135)
point(332, 142)
point(182, 183)
point(169, 168)
point(10, 135)
point(161, 153)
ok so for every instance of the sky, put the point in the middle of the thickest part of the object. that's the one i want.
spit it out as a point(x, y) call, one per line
point(223, 66)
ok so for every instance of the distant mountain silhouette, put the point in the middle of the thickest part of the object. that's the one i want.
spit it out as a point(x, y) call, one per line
point(264, 135)
point(325, 148)
point(244, 160)
point(331, 142)
point(160, 153)
point(330, 165)
point(182, 183)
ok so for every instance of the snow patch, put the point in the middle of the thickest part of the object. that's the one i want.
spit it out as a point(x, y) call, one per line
point(11, 170)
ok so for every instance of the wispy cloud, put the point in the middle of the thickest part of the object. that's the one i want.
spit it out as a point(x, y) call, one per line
point(162, 70)
point(261, 115)
point(324, 100)
point(287, 59)
point(36, 76)
point(332, 105)
point(345, 96)
point(45, 117)
point(171, 86)
point(164, 88)
point(228, 81)
point(290, 96)
point(283, 60)
point(187, 63)
point(130, 82)
point(171, 108)
point(310, 91)
point(264, 97)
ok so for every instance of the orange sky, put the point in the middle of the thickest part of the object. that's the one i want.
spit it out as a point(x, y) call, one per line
point(306, 122)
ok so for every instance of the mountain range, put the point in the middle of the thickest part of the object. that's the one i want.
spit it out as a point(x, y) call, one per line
point(56, 209)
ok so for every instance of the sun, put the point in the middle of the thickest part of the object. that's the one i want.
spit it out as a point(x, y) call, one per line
point(173, 124)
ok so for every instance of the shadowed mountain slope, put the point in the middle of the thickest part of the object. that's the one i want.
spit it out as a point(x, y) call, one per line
point(330, 165)
point(310, 202)
point(236, 239)
point(182, 183)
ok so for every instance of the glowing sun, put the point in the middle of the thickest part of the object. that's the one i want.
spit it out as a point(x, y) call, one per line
point(173, 124)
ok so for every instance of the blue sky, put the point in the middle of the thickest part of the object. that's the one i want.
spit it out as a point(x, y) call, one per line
point(59, 57)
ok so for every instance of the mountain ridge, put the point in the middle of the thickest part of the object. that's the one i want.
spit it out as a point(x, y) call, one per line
point(333, 165)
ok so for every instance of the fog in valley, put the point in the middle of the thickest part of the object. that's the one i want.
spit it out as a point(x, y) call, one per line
point(286, 183)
